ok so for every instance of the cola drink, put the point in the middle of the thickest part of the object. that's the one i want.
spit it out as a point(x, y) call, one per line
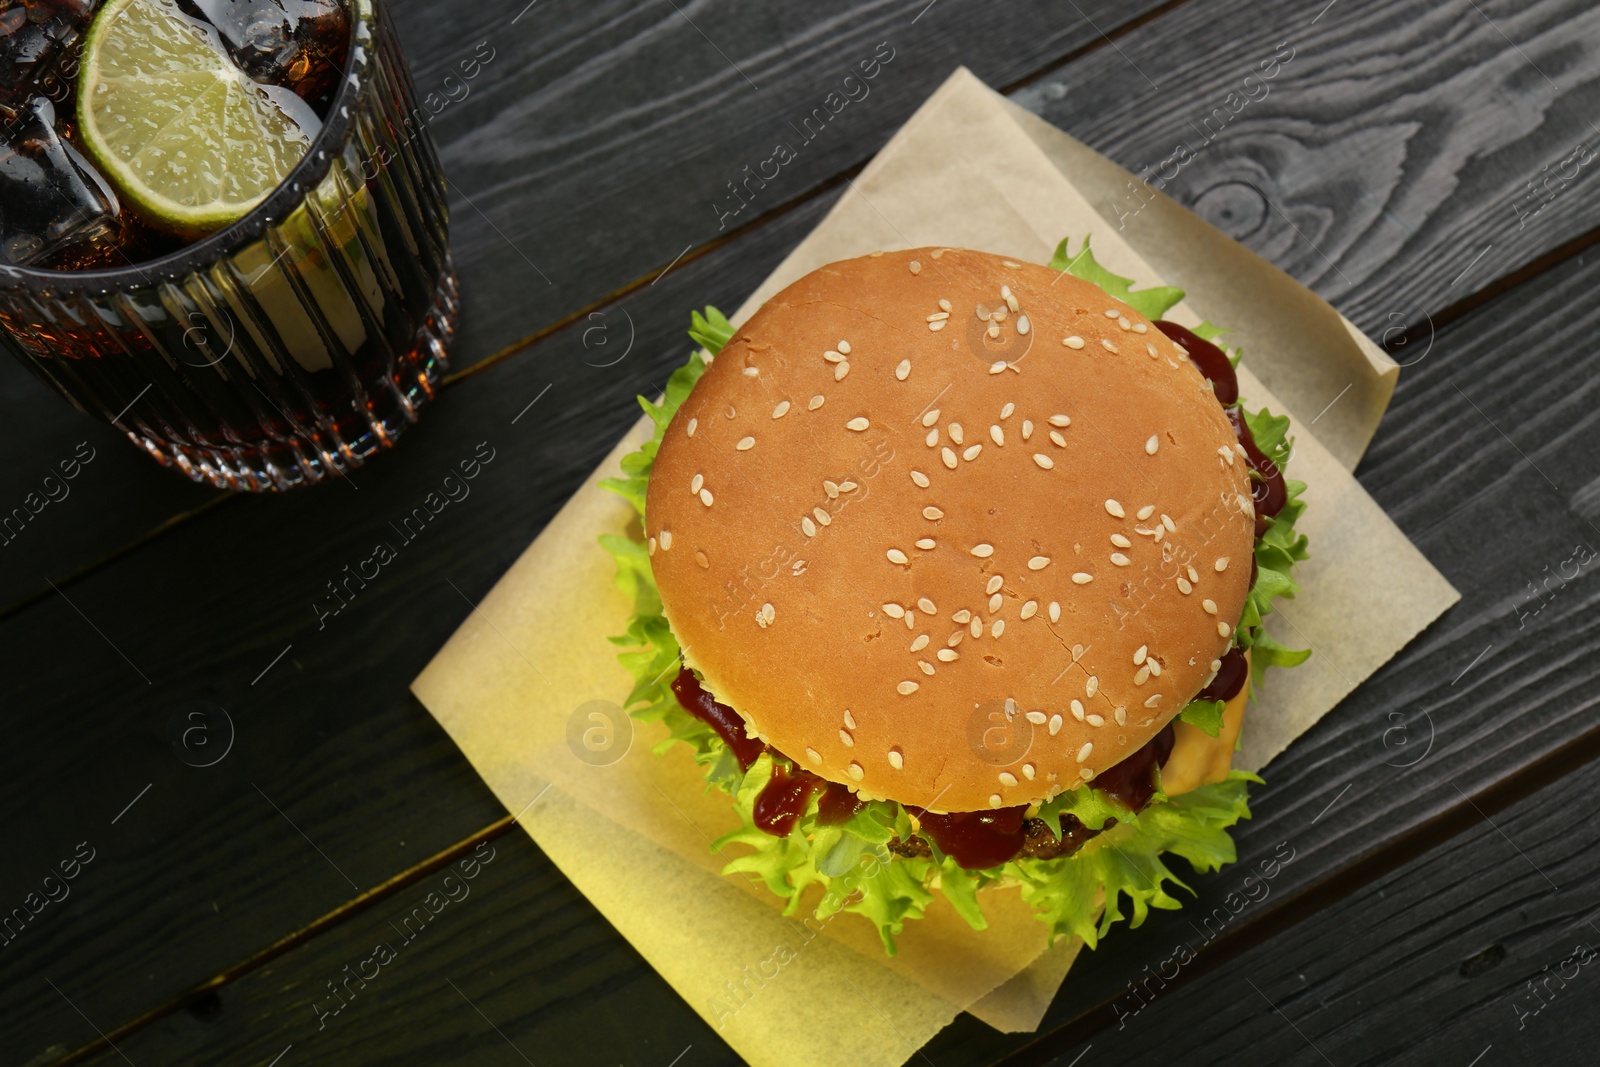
point(297, 44)
point(39, 43)
point(53, 204)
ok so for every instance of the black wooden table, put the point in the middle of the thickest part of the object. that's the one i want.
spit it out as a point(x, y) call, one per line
point(1428, 166)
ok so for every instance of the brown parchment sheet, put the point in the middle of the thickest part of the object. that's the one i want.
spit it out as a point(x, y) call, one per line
point(968, 169)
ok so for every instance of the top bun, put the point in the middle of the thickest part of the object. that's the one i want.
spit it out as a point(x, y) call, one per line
point(953, 530)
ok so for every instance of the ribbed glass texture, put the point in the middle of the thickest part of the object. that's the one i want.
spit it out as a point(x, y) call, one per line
point(293, 345)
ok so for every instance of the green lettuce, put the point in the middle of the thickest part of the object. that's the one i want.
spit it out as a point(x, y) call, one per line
point(1116, 876)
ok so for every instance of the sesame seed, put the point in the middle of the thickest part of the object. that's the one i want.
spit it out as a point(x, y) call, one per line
point(1055, 611)
point(894, 611)
point(1022, 325)
point(911, 620)
point(1107, 345)
point(1038, 563)
point(925, 543)
point(1223, 629)
point(932, 438)
point(896, 759)
point(705, 497)
point(931, 417)
point(997, 435)
point(983, 551)
point(781, 410)
point(961, 616)
point(947, 655)
point(916, 268)
point(995, 603)
point(1112, 313)
point(998, 628)
point(927, 605)
point(944, 305)
point(998, 365)
point(1060, 420)
point(1147, 511)
point(857, 424)
point(1092, 686)
point(939, 316)
point(1151, 445)
point(840, 371)
point(745, 444)
point(927, 668)
point(1115, 509)
point(1194, 575)
point(1035, 717)
point(831, 488)
point(1140, 653)
point(1151, 350)
point(903, 371)
point(1007, 778)
point(1043, 460)
point(1222, 564)
point(932, 513)
point(846, 740)
point(1122, 320)
point(994, 584)
point(1057, 440)
point(957, 434)
point(993, 331)
point(813, 755)
point(948, 456)
point(1027, 429)
point(1086, 774)
point(1013, 265)
point(1095, 720)
point(652, 543)
point(897, 556)
point(1030, 609)
point(693, 425)
point(994, 800)
point(906, 688)
point(855, 771)
point(1121, 541)
point(816, 402)
point(1077, 710)
point(844, 346)
point(1073, 341)
point(1142, 676)
point(1140, 327)
point(1005, 412)
point(1083, 753)
point(696, 483)
point(666, 539)
point(1152, 700)
point(752, 372)
point(1080, 578)
point(808, 526)
point(833, 357)
point(1184, 586)
point(1209, 605)
point(1166, 520)
point(823, 518)
point(702, 559)
point(1055, 724)
point(1119, 559)
point(936, 326)
point(1155, 667)
point(971, 453)
point(955, 639)
point(975, 628)
point(920, 478)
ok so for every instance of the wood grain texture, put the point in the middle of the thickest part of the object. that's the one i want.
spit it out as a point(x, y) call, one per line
point(1390, 147)
point(1343, 793)
point(337, 778)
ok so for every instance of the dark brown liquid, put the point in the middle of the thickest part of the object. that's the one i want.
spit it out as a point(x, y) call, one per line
point(1230, 677)
point(1209, 359)
point(721, 718)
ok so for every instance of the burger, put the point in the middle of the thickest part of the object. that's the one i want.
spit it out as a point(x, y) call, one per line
point(950, 570)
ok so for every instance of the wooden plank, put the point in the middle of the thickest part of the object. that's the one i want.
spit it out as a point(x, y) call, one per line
point(1395, 158)
point(1339, 796)
point(569, 113)
point(336, 778)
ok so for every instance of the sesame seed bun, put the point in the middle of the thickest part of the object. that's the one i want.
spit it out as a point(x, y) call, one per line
point(957, 562)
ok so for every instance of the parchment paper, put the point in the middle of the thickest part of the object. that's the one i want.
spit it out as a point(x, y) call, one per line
point(968, 169)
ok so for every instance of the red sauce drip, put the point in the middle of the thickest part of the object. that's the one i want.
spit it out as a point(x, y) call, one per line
point(1211, 361)
point(1133, 781)
point(838, 804)
point(975, 839)
point(784, 799)
point(721, 718)
point(1230, 677)
point(1268, 491)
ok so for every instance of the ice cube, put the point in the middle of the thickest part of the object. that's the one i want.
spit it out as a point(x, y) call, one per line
point(39, 44)
point(53, 203)
point(298, 44)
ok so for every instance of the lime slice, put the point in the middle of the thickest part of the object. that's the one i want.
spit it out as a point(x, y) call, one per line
point(180, 131)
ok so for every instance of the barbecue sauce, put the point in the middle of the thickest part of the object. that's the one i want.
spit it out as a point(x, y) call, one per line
point(1133, 780)
point(721, 718)
point(1230, 677)
point(1211, 361)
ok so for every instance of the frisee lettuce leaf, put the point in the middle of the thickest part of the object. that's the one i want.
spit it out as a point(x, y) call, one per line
point(1205, 714)
point(1116, 876)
